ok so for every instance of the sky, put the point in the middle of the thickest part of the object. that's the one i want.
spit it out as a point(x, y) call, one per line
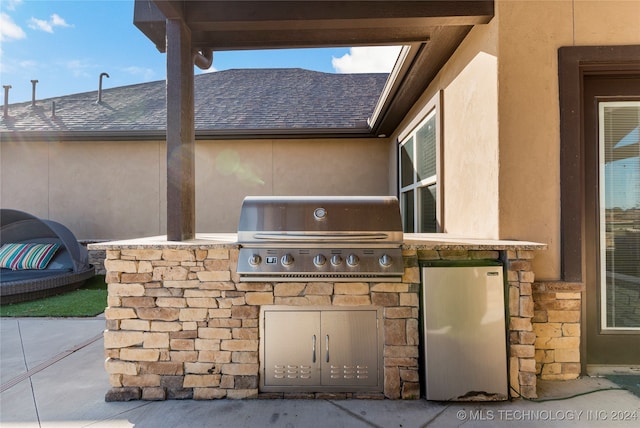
point(66, 44)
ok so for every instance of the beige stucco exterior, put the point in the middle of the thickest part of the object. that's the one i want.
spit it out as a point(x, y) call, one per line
point(116, 190)
point(501, 119)
point(529, 108)
point(226, 172)
point(90, 187)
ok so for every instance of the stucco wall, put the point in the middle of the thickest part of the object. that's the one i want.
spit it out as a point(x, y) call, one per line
point(117, 190)
point(226, 172)
point(529, 123)
point(529, 117)
point(89, 187)
point(501, 119)
point(471, 138)
point(468, 84)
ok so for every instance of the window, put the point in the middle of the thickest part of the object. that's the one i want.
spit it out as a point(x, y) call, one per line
point(419, 154)
point(619, 209)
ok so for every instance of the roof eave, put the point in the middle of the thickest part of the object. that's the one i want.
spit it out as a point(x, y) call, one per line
point(160, 135)
point(416, 68)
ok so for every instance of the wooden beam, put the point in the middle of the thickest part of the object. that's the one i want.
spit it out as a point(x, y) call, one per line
point(264, 24)
point(233, 12)
point(180, 133)
point(171, 9)
point(150, 20)
point(311, 38)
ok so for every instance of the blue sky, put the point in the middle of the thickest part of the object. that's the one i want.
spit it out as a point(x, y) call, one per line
point(66, 44)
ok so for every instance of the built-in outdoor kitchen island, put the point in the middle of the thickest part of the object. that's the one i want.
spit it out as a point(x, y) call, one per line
point(180, 324)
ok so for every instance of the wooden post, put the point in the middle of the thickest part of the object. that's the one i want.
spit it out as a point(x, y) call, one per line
point(180, 133)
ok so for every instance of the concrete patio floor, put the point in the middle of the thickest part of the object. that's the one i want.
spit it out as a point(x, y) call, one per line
point(52, 375)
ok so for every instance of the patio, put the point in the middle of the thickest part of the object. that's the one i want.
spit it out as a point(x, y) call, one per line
point(52, 375)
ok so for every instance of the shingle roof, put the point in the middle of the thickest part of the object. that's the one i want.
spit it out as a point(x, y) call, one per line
point(241, 99)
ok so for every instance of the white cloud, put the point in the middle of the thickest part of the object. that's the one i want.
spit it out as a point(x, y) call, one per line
point(374, 59)
point(12, 4)
point(79, 68)
point(40, 24)
point(146, 73)
point(23, 67)
point(9, 29)
point(28, 64)
point(47, 26)
point(57, 21)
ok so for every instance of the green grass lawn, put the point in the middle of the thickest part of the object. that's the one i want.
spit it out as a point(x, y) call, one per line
point(87, 301)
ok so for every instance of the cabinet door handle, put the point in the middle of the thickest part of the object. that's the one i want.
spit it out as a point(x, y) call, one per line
point(313, 347)
point(326, 344)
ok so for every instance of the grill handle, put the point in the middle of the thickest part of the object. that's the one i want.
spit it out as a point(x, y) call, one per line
point(292, 236)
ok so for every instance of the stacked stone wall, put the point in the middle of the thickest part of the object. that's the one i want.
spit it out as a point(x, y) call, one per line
point(96, 257)
point(180, 324)
point(556, 324)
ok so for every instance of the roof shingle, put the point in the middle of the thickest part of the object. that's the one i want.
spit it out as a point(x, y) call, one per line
point(240, 99)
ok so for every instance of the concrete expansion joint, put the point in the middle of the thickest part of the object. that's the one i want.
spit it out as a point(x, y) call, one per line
point(16, 380)
point(354, 415)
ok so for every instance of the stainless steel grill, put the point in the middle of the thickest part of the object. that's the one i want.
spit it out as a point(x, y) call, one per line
point(349, 239)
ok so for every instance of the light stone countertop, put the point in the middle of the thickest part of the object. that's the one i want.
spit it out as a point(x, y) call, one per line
point(443, 241)
point(416, 241)
point(202, 241)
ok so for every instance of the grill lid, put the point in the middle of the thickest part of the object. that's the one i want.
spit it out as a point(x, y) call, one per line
point(320, 239)
point(312, 220)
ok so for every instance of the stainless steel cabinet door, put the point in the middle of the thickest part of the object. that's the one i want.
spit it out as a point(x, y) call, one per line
point(349, 348)
point(292, 352)
point(322, 349)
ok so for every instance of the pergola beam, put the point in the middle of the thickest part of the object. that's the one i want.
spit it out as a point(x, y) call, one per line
point(240, 25)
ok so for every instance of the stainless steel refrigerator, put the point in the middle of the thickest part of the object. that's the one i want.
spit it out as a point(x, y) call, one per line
point(463, 332)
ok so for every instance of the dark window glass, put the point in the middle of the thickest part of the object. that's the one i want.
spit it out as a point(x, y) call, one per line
point(406, 163)
point(426, 149)
point(407, 209)
point(428, 221)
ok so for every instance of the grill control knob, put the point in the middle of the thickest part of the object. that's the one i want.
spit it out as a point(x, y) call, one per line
point(352, 260)
point(255, 260)
point(385, 260)
point(319, 260)
point(287, 259)
point(336, 260)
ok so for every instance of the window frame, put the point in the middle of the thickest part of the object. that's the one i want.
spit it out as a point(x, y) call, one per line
point(432, 109)
point(575, 65)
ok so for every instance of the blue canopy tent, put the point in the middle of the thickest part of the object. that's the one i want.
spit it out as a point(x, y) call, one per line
point(68, 269)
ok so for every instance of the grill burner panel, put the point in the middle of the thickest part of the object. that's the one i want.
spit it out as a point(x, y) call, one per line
point(260, 264)
point(320, 239)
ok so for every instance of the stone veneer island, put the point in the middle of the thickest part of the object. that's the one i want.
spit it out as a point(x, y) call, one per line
point(180, 324)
